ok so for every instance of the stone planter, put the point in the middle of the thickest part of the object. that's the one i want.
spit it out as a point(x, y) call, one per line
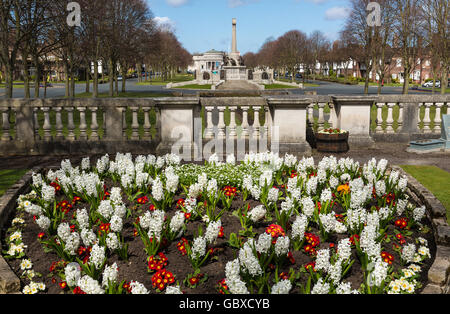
point(332, 143)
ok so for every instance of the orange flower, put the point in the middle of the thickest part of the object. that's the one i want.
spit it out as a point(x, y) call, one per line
point(344, 188)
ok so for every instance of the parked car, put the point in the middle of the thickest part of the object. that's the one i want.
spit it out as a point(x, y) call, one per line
point(119, 78)
point(430, 84)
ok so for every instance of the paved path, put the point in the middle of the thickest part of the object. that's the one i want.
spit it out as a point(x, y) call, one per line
point(323, 88)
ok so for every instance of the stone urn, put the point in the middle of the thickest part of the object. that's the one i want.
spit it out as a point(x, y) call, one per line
point(332, 141)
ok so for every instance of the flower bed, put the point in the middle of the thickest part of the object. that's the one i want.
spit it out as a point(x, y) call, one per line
point(267, 225)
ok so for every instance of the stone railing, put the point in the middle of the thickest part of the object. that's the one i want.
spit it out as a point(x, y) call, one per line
point(270, 122)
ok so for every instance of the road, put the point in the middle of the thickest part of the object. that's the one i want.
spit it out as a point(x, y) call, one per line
point(323, 88)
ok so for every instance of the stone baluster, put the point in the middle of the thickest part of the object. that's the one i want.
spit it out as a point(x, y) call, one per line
point(232, 126)
point(400, 117)
point(47, 126)
point(426, 119)
point(379, 128)
point(135, 124)
point(437, 119)
point(266, 122)
point(147, 124)
point(94, 124)
point(209, 130)
point(83, 125)
point(310, 112)
point(59, 124)
point(256, 123)
point(70, 124)
point(321, 120)
point(245, 125)
point(36, 123)
point(6, 136)
point(221, 125)
point(390, 119)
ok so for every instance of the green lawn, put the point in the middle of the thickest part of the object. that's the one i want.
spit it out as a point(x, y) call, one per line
point(126, 95)
point(160, 81)
point(434, 179)
point(195, 86)
point(279, 86)
point(8, 178)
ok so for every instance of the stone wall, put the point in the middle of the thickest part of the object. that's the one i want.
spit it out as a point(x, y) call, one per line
point(98, 126)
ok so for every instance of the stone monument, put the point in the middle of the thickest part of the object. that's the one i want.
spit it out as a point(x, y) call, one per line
point(234, 65)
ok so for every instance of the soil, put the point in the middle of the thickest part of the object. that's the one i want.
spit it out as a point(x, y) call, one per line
point(136, 266)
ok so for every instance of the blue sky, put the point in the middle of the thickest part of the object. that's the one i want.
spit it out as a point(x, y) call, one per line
point(201, 25)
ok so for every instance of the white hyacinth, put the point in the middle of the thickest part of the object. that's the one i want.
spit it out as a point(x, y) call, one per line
point(90, 286)
point(321, 287)
point(97, 256)
point(212, 231)
point(112, 242)
point(299, 227)
point(138, 288)
point(282, 246)
point(82, 218)
point(88, 237)
point(64, 231)
point(116, 223)
point(72, 274)
point(48, 193)
point(264, 243)
point(257, 213)
point(282, 287)
point(105, 209)
point(110, 275)
point(43, 222)
point(248, 260)
point(199, 247)
point(157, 190)
point(177, 222)
point(308, 206)
point(323, 260)
point(72, 243)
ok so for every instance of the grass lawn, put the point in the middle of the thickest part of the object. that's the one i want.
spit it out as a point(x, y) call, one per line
point(279, 86)
point(160, 81)
point(9, 177)
point(126, 95)
point(434, 179)
point(195, 86)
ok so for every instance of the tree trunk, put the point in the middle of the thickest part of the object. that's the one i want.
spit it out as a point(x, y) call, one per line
point(139, 70)
point(9, 80)
point(111, 78)
point(37, 76)
point(66, 80)
point(406, 80)
point(124, 78)
point(26, 78)
point(72, 83)
point(444, 80)
point(88, 83)
point(95, 87)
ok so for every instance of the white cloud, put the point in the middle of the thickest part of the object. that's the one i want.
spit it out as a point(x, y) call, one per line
point(176, 3)
point(337, 13)
point(164, 22)
point(238, 3)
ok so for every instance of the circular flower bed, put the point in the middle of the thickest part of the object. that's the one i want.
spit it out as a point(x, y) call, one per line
point(266, 225)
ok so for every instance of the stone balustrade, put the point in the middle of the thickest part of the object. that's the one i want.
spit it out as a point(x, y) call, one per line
point(270, 122)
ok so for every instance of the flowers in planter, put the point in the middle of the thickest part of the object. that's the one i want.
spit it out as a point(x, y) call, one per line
point(332, 131)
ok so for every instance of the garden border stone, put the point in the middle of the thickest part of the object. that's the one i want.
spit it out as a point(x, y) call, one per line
point(9, 282)
point(438, 274)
